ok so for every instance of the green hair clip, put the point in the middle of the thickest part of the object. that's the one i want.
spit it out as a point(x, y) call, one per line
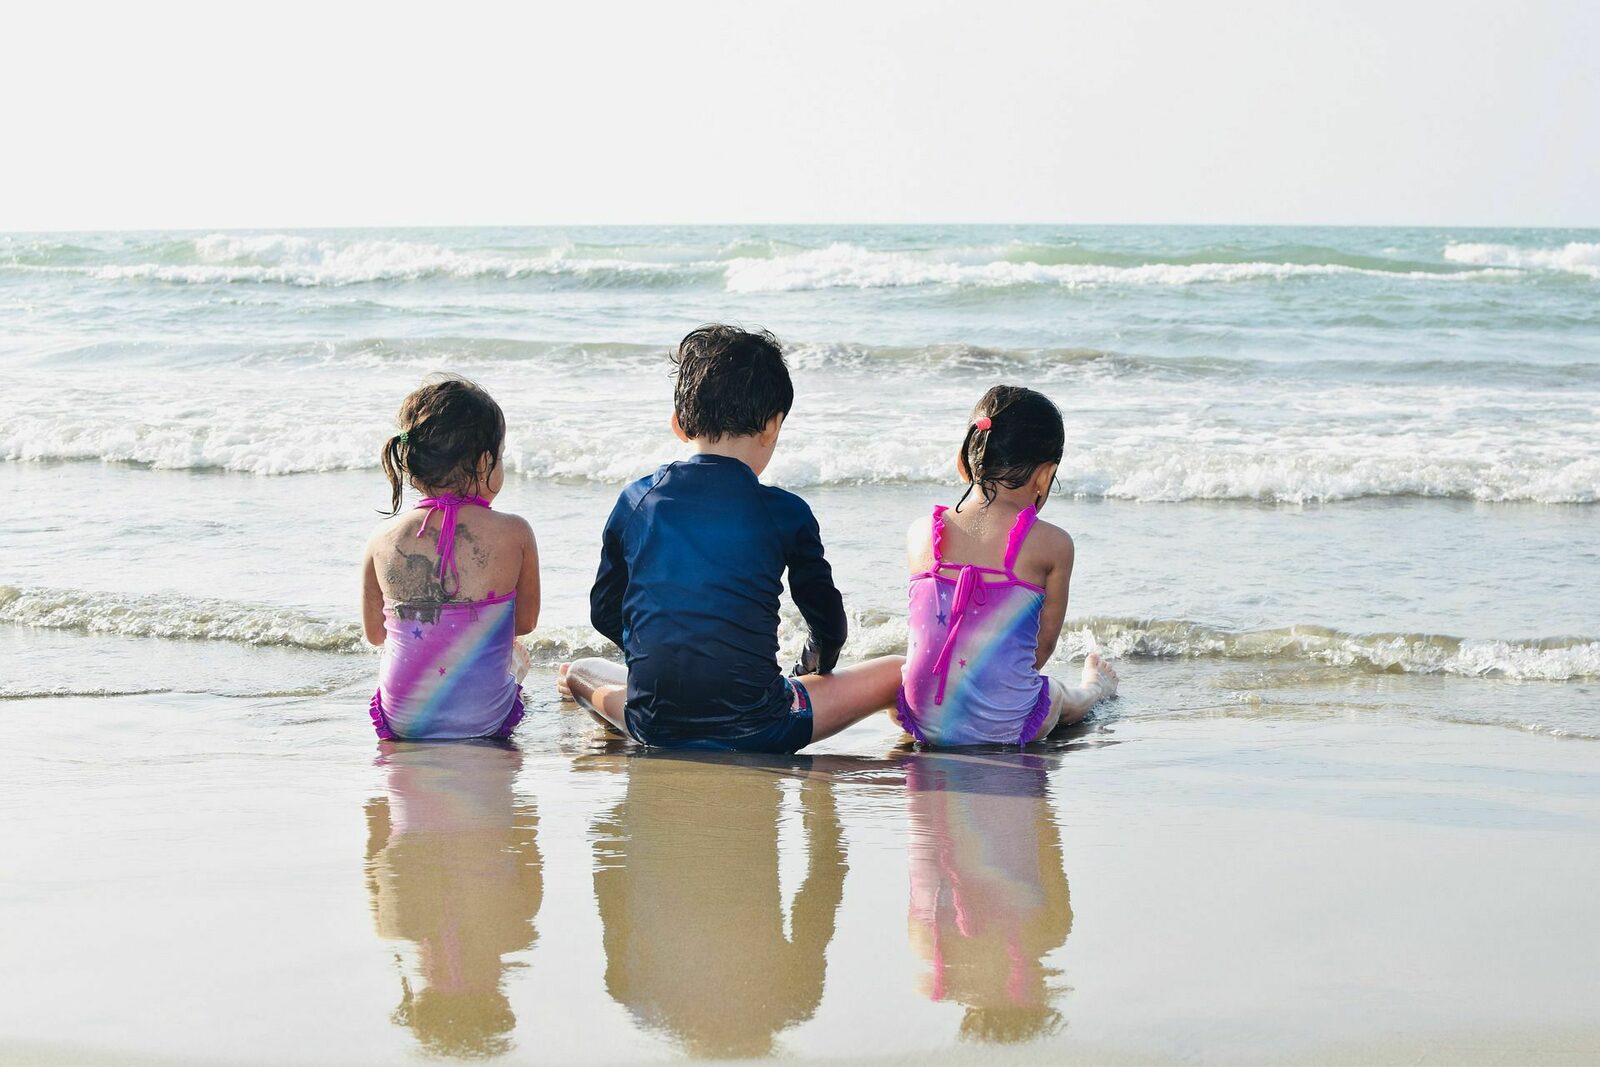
point(405, 437)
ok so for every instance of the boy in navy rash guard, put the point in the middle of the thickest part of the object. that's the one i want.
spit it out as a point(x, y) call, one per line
point(690, 579)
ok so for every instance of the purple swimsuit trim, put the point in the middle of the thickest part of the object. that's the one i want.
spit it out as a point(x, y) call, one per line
point(908, 718)
point(1030, 726)
point(1040, 712)
point(379, 722)
point(511, 720)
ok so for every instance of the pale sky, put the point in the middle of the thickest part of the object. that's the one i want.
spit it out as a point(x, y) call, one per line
point(222, 115)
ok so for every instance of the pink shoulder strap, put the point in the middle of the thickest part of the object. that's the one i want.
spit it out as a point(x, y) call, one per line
point(1019, 533)
point(938, 532)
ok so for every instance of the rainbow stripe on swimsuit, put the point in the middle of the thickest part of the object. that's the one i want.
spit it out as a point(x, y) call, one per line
point(447, 668)
point(969, 677)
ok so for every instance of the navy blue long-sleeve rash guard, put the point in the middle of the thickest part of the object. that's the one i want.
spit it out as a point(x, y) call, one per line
point(691, 570)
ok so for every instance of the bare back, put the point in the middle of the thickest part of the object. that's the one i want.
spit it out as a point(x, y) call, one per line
point(488, 556)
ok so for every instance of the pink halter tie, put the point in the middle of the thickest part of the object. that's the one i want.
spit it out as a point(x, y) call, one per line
point(451, 507)
point(969, 584)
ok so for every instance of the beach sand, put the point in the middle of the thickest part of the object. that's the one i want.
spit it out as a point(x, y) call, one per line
point(195, 879)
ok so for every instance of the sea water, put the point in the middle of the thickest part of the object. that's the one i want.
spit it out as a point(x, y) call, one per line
point(1309, 471)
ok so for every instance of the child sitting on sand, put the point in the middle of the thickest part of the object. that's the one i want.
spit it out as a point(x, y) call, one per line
point(989, 590)
point(691, 572)
point(448, 585)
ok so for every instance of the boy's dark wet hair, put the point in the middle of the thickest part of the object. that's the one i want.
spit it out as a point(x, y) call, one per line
point(446, 427)
point(730, 382)
point(1024, 430)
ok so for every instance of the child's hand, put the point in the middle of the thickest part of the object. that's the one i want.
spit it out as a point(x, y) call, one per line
point(810, 661)
point(561, 682)
point(1099, 674)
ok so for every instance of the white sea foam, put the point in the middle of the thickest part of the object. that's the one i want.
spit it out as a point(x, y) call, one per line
point(1149, 463)
point(292, 259)
point(754, 266)
point(1558, 659)
point(1574, 257)
point(176, 617)
point(849, 266)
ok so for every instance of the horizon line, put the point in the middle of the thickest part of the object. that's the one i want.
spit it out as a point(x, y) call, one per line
point(351, 227)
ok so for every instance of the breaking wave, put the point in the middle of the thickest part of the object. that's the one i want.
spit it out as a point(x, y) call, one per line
point(873, 633)
point(1574, 257)
point(848, 266)
point(751, 265)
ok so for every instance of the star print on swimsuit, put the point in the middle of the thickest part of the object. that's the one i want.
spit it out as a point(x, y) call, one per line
point(416, 631)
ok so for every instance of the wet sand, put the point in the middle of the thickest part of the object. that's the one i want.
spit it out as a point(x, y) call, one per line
point(203, 879)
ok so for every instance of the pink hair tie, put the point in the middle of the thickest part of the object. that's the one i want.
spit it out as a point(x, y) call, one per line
point(983, 422)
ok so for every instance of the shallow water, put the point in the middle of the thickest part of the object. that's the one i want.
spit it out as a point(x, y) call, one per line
point(250, 881)
point(1334, 494)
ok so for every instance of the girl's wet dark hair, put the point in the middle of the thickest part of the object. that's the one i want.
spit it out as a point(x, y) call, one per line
point(446, 426)
point(1025, 430)
point(730, 382)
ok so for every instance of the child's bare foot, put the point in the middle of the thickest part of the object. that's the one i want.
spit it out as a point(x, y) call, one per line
point(563, 687)
point(1099, 674)
point(575, 685)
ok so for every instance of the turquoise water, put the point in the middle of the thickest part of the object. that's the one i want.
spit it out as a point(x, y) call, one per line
point(1305, 467)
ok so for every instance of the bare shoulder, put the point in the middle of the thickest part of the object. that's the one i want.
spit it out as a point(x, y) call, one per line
point(1048, 547)
point(513, 527)
point(919, 543)
point(384, 534)
point(918, 532)
point(1052, 537)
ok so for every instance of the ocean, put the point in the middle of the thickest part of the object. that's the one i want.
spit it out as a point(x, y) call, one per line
point(1336, 499)
point(1310, 471)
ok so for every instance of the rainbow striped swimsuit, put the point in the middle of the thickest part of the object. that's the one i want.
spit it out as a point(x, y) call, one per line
point(969, 677)
point(447, 671)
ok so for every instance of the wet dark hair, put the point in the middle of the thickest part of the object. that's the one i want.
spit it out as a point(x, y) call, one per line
point(446, 426)
point(730, 382)
point(1025, 430)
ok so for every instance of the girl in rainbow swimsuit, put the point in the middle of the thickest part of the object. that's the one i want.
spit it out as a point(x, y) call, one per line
point(449, 585)
point(989, 591)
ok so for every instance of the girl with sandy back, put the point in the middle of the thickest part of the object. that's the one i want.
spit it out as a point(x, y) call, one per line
point(989, 586)
point(449, 585)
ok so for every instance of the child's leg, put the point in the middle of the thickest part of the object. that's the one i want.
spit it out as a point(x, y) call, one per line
point(847, 696)
point(1069, 705)
point(600, 687)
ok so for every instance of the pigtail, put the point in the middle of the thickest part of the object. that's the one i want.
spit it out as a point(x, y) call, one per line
point(394, 468)
point(970, 462)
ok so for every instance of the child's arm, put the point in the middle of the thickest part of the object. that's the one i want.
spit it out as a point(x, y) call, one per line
point(1058, 579)
point(528, 584)
point(813, 592)
point(371, 600)
point(611, 582)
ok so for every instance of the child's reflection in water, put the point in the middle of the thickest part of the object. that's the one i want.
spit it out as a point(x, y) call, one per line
point(686, 876)
point(988, 889)
point(453, 866)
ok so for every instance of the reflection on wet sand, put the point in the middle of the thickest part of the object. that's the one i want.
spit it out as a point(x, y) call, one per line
point(686, 876)
point(988, 889)
point(452, 865)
